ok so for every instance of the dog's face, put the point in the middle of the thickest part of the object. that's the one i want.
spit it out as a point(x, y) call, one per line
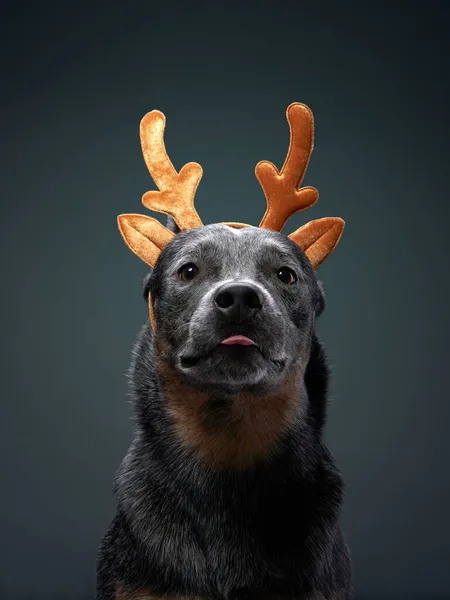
point(234, 308)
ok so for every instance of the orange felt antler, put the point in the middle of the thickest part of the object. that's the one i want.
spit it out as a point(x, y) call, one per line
point(176, 190)
point(317, 238)
point(281, 188)
point(147, 237)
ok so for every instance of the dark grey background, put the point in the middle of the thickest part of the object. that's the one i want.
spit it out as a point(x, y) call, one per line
point(76, 79)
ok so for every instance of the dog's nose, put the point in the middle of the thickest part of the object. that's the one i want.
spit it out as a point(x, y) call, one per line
point(238, 302)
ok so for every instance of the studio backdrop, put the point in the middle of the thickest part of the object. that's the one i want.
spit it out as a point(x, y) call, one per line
point(76, 80)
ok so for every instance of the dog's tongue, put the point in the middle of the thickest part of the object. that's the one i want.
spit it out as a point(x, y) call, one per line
point(238, 339)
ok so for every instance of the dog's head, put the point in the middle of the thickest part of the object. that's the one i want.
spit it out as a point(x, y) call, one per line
point(233, 308)
point(233, 305)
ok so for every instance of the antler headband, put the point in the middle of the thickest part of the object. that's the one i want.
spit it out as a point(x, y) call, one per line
point(147, 237)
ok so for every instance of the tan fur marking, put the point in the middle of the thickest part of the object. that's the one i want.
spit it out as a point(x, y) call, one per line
point(121, 594)
point(235, 433)
point(146, 595)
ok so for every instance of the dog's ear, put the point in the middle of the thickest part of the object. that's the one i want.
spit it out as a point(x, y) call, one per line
point(320, 302)
point(146, 285)
point(172, 226)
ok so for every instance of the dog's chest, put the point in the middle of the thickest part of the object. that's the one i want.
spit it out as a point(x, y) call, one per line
point(244, 556)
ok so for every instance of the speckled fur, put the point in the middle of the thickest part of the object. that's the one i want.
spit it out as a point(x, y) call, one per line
point(187, 526)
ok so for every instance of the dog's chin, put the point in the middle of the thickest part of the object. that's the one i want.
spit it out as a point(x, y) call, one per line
point(232, 367)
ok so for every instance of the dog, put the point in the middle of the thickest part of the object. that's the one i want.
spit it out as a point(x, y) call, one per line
point(228, 490)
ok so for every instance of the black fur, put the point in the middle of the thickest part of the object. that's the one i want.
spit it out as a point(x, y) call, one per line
point(185, 529)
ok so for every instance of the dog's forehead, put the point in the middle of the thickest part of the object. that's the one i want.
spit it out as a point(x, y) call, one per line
point(230, 242)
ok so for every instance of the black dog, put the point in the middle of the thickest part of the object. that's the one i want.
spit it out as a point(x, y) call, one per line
point(228, 490)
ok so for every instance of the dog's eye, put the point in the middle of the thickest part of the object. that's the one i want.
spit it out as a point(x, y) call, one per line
point(287, 275)
point(187, 272)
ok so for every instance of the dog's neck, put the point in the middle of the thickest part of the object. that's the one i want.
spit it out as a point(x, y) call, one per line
point(225, 430)
point(230, 430)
